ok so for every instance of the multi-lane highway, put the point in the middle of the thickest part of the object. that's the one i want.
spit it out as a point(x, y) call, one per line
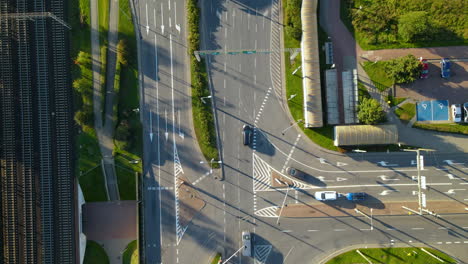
point(247, 89)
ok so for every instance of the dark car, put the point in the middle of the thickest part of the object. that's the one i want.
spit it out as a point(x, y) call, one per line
point(356, 196)
point(296, 173)
point(424, 68)
point(445, 68)
point(246, 134)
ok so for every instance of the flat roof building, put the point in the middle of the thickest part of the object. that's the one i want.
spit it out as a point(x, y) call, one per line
point(365, 135)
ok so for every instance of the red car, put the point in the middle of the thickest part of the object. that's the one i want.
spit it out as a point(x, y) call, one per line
point(424, 68)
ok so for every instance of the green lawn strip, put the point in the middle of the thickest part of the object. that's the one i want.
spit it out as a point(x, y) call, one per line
point(103, 10)
point(95, 254)
point(130, 254)
point(203, 119)
point(450, 128)
point(406, 112)
point(362, 91)
point(383, 31)
point(391, 256)
point(216, 259)
point(103, 79)
point(126, 173)
point(89, 156)
point(321, 136)
point(394, 101)
point(378, 74)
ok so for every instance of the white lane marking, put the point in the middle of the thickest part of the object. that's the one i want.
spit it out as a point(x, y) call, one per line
point(169, 4)
point(391, 229)
point(417, 228)
point(448, 243)
point(439, 243)
point(170, 22)
point(248, 21)
point(457, 242)
point(147, 20)
point(312, 230)
point(201, 178)
point(175, 13)
point(225, 32)
point(290, 153)
point(442, 228)
point(339, 230)
point(162, 18)
point(452, 191)
point(365, 229)
point(154, 16)
point(286, 231)
point(360, 186)
point(385, 178)
point(465, 227)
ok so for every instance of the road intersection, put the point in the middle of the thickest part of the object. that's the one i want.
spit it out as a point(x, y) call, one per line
point(247, 89)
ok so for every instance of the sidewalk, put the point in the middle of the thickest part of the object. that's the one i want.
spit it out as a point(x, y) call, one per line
point(347, 208)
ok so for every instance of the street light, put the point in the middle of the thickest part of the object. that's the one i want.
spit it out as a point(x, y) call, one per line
point(291, 97)
point(418, 160)
point(284, 201)
point(205, 97)
point(226, 261)
point(298, 121)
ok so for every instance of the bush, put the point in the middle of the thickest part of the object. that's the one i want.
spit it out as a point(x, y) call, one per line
point(370, 112)
point(414, 26)
point(404, 69)
point(84, 117)
point(122, 52)
point(293, 18)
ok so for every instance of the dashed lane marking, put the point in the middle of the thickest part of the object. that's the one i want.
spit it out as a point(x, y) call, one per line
point(201, 178)
point(261, 253)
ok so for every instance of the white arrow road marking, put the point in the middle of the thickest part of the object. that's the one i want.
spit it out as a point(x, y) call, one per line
point(452, 191)
point(384, 178)
point(166, 133)
point(181, 134)
point(340, 179)
point(151, 126)
point(386, 192)
point(321, 178)
point(385, 164)
point(452, 177)
point(177, 26)
point(162, 19)
point(322, 160)
point(147, 22)
point(340, 164)
point(450, 162)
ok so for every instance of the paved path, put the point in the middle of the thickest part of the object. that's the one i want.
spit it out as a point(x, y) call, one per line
point(105, 133)
point(346, 47)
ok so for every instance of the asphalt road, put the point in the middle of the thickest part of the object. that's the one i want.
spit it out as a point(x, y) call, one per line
point(246, 91)
point(246, 94)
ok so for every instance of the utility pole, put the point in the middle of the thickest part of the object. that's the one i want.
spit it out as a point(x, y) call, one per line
point(418, 163)
point(298, 121)
point(282, 206)
point(233, 255)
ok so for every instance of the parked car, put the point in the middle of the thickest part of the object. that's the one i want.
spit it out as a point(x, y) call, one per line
point(246, 134)
point(465, 110)
point(247, 243)
point(445, 67)
point(326, 196)
point(356, 196)
point(456, 113)
point(296, 173)
point(424, 68)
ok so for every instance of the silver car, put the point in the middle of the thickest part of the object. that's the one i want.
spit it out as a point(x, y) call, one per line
point(247, 243)
point(465, 110)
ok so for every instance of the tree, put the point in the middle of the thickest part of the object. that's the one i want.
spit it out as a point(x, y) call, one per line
point(122, 52)
point(293, 18)
point(414, 26)
point(370, 112)
point(84, 118)
point(404, 69)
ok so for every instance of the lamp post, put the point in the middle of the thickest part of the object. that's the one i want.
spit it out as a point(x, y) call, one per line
point(418, 163)
point(233, 255)
point(205, 97)
point(282, 206)
point(298, 121)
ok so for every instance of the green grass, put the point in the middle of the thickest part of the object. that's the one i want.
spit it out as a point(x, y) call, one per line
point(406, 112)
point(216, 259)
point(450, 128)
point(103, 78)
point(394, 101)
point(321, 136)
point(378, 74)
point(362, 91)
point(89, 165)
point(449, 23)
point(89, 156)
point(103, 10)
point(391, 256)
point(130, 254)
point(126, 173)
point(203, 119)
point(95, 254)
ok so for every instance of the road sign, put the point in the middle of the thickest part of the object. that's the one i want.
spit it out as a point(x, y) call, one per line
point(423, 199)
point(423, 182)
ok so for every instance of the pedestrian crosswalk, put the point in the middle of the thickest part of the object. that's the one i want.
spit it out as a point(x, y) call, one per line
point(261, 253)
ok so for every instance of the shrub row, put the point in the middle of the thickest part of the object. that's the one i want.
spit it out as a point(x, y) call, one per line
point(202, 113)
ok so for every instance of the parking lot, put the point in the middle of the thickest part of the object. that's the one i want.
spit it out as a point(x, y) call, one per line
point(453, 89)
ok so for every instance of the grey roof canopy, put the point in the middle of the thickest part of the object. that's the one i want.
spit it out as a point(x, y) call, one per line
point(365, 135)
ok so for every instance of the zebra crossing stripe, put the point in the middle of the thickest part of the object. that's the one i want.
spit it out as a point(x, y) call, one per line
point(267, 212)
point(261, 253)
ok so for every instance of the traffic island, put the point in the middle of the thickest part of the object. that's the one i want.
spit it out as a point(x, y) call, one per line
point(190, 203)
point(346, 208)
